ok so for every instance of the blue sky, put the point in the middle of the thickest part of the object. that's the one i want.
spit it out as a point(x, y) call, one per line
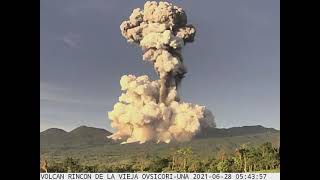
point(233, 65)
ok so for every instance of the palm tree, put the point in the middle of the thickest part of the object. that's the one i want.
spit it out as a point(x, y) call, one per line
point(238, 159)
point(243, 155)
point(184, 154)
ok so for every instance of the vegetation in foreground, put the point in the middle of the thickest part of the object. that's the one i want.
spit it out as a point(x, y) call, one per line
point(246, 158)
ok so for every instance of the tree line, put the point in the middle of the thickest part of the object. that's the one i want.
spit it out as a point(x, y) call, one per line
point(246, 158)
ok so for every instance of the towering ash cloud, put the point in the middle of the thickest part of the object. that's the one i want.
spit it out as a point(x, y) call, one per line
point(151, 110)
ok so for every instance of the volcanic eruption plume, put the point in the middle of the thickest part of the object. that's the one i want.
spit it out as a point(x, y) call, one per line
point(152, 110)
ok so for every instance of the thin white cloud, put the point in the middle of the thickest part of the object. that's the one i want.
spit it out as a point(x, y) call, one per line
point(54, 93)
point(75, 8)
point(72, 40)
point(65, 108)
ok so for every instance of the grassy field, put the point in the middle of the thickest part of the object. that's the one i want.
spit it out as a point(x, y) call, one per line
point(269, 171)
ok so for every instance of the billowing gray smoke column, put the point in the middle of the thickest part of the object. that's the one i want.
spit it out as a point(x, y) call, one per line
point(151, 110)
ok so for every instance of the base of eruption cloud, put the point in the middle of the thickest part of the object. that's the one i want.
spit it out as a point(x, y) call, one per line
point(151, 109)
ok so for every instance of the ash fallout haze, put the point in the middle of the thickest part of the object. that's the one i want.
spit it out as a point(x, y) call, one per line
point(224, 56)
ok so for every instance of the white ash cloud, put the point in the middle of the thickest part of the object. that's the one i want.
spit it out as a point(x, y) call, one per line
point(152, 110)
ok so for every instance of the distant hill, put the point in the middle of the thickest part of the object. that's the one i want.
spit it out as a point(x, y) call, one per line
point(82, 136)
point(234, 131)
point(53, 132)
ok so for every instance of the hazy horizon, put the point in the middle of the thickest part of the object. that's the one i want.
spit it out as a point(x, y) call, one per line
point(113, 130)
point(233, 64)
